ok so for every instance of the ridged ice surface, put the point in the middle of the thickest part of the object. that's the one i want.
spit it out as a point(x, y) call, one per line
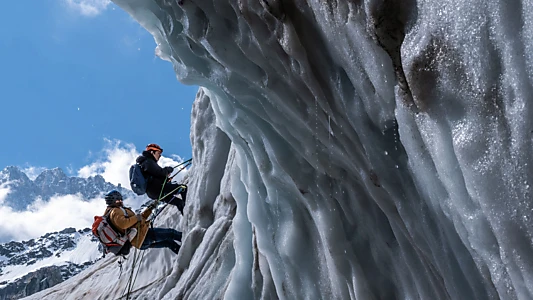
point(363, 149)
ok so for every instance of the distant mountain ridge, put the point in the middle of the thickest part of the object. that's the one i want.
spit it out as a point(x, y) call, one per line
point(23, 191)
point(30, 266)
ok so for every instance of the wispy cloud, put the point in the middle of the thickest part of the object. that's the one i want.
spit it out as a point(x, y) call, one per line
point(60, 212)
point(89, 8)
point(115, 161)
point(54, 215)
point(4, 190)
point(172, 162)
point(33, 172)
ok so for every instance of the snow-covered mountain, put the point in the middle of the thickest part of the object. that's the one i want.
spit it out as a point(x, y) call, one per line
point(30, 266)
point(360, 149)
point(23, 191)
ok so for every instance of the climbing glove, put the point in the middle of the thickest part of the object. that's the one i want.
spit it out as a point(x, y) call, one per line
point(169, 170)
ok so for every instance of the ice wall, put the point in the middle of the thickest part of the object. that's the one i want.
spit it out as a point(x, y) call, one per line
point(382, 147)
point(377, 149)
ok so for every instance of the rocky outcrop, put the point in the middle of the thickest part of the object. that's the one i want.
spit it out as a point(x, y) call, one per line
point(33, 283)
point(23, 191)
point(57, 247)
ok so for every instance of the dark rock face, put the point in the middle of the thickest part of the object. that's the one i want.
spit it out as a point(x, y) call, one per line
point(27, 253)
point(32, 283)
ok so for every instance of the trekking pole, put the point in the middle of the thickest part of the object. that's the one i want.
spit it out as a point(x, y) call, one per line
point(184, 162)
point(183, 168)
point(172, 177)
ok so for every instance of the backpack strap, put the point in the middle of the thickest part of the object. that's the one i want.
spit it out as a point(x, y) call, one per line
point(142, 163)
point(124, 210)
point(108, 212)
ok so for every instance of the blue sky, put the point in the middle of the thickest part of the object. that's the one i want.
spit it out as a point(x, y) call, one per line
point(76, 80)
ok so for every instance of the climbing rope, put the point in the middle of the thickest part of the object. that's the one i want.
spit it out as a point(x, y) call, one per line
point(130, 283)
point(136, 258)
point(179, 189)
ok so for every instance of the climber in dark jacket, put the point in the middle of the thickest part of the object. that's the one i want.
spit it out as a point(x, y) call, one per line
point(156, 177)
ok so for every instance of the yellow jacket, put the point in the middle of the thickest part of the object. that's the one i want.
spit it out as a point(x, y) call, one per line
point(122, 222)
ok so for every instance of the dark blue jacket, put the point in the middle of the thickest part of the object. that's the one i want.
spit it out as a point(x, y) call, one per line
point(154, 174)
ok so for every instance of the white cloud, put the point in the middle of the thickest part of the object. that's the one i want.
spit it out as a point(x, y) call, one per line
point(60, 212)
point(173, 162)
point(88, 8)
point(115, 164)
point(33, 172)
point(4, 190)
point(116, 161)
point(54, 215)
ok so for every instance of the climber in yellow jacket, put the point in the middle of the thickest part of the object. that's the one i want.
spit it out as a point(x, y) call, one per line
point(123, 218)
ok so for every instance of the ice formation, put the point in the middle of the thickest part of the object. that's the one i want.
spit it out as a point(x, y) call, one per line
point(346, 150)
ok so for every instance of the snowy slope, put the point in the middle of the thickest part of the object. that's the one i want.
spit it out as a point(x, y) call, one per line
point(345, 150)
point(66, 252)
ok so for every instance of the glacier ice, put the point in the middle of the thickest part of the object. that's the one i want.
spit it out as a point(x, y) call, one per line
point(347, 150)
